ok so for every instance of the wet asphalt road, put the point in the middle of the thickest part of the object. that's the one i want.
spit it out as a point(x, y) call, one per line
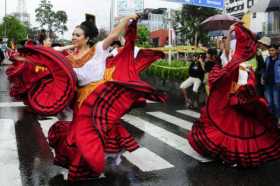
point(36, 168)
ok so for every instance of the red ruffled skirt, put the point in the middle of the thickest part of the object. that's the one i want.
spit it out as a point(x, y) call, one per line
point(236, 128)
point(96, 129)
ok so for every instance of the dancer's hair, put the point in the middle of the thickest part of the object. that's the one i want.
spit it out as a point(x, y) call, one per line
point(89, 28)
point(42, 35)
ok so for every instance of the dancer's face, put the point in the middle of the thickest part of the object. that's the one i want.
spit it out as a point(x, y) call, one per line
point(78, 37)
point(47, 42)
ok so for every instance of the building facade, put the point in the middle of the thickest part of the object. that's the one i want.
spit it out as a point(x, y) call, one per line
point(240, 8)
point(157, 22)
point(264, 23)
point(155, 19)
point(128, 7)
point(22, 17)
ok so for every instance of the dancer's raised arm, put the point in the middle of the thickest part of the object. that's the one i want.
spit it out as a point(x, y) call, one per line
point(117, 31)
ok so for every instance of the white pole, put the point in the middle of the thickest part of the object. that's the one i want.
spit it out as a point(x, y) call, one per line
point(169, 36)
point(5, 29)
point(112, 12)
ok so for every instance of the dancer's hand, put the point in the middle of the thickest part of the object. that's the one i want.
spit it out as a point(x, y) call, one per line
point(232, 27)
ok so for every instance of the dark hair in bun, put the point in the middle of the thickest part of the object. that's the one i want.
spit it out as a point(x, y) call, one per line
point(42, 35)
point(89, 28)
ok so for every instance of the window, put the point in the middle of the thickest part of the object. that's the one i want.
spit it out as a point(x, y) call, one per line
point(250, 3)
point(254, 15)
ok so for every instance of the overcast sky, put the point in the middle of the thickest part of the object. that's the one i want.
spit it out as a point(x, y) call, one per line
point(76, 10)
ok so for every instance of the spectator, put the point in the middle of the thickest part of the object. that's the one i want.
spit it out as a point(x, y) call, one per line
point(2, 56)
point(271, 80)
point(262, 54)
point(211, 60)
point(263, 45)
point(196, 75)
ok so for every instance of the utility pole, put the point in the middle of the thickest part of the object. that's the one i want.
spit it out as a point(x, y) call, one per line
point(5, 28)
point(112, 14)
point(169, 36)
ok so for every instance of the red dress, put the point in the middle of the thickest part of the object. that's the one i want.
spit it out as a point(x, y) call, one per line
point(96, 129)
point(236, 127)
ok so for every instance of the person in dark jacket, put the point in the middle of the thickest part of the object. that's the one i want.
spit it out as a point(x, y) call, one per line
point(271, 80)
point(261, 55)
point(196, 75)
point(2, 56)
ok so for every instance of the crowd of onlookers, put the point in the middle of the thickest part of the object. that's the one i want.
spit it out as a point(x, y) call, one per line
point(267, 72)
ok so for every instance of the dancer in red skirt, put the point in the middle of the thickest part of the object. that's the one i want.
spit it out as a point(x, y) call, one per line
point(236, 126)
point(106, 91)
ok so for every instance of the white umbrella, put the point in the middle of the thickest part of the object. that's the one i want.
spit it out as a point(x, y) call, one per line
point(218, 22)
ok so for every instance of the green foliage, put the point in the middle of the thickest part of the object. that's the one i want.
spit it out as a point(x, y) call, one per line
point(252, 62)
point(176, 70)
point(187, 23)
point(143, 39)
point(50, 20)
point(15, 29)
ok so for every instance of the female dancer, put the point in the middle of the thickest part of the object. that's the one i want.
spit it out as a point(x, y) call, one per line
point(106, 91)
point(235, 126)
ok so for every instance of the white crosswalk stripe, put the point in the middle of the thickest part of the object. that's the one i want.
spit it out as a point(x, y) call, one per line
point(12, 104)
point(165, 136)
point(143, 158)
point(46, 124)
point(189, 113)
point(172, 119)
point(147, 160)
point(9, 161)
point(150, 101)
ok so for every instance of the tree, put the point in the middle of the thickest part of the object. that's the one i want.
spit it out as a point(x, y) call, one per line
point(15, 29)
point(187, 23)
point(52, 21)
point(143, 39)
point(33, 32)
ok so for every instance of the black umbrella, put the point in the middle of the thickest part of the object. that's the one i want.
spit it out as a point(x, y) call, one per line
point(266, 6)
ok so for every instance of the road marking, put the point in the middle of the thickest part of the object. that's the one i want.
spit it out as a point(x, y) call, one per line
point(150, 101)
point(9, 161)
point(189, 113)
point(46, 124)
point(12, 104)
point(142, 158)
point(165, 136)
point(147, 160)
point(172, 119)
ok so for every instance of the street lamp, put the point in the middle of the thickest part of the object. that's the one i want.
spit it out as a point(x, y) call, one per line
point(169, 35)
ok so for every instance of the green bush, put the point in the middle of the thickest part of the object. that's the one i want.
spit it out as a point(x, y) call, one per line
point(176, 70)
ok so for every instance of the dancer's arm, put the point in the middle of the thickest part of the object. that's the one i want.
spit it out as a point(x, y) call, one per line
point(60, 49)
point(117, 31)
point(227, 42)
